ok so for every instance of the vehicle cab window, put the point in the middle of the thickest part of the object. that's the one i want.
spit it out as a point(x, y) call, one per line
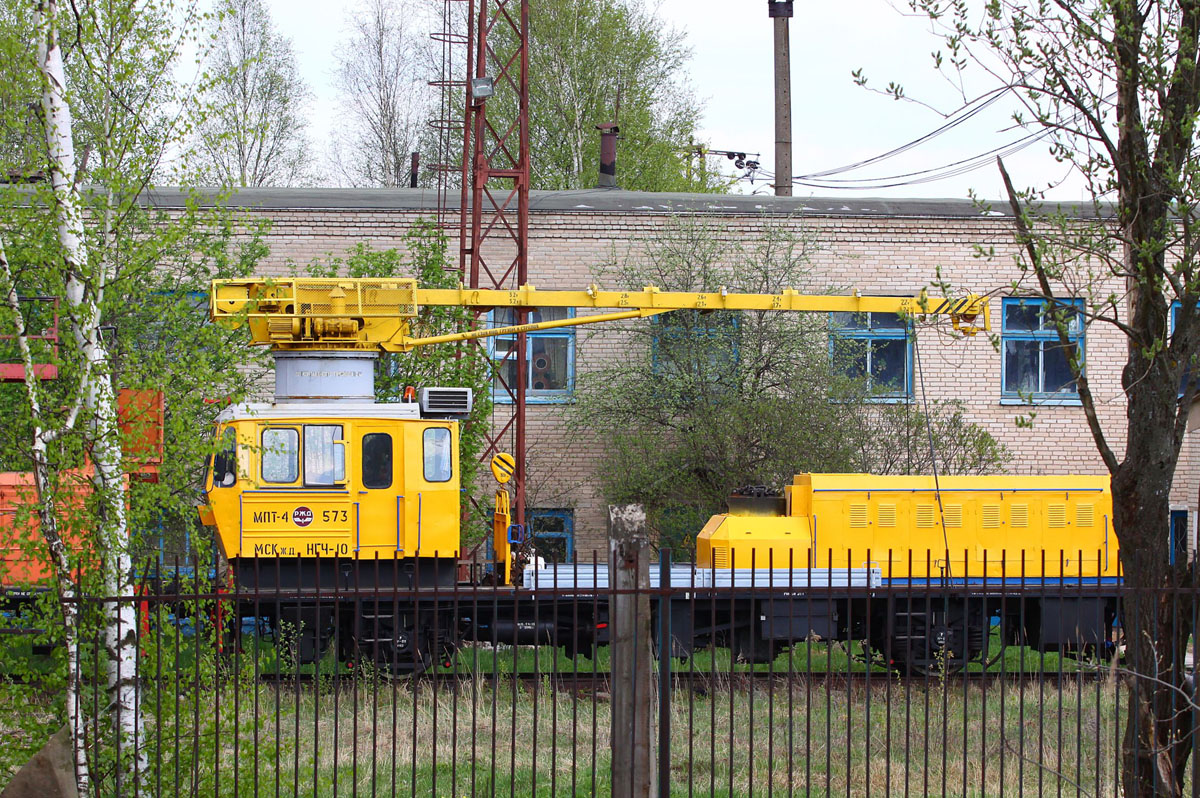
point(377, 460)
point(224, 462)
point(438, 463)
point(280, 455)
point(324, 455)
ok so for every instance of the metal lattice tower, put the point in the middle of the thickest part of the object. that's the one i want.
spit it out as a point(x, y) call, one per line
point(496, 252)
point(493, 177)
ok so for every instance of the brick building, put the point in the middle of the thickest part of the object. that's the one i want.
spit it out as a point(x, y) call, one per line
point(873, 246)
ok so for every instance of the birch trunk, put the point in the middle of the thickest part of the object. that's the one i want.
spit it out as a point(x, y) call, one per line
point(48, 524)
point(85, 288)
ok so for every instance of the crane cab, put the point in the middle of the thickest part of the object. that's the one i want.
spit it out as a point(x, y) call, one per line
point(300, 493)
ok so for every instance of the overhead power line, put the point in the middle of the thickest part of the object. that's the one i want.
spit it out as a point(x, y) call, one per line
point(933, 174)
point(969, 112)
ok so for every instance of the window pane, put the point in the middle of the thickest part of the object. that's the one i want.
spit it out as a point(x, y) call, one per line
point(504, 377)
point(1021, 366)
point(505, 317)
point(888, 366)
point(1053, 314)
point(548, 364)
point(1023, 316)
point(548, 314)
point(377, 460)
point(1058, 375)
point(695, 346)
point(887, 321)
point(1191, 370)
point(437, 455)
point(225, 461)
point(548, 524)
point(552, 532)
point(548, 354)
point(324, 460)
point(850, 357)
point(281, 455)
point(844, 320)
point(551, 548)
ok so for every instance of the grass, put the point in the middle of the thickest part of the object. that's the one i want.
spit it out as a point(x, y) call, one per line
point(362, 733)
point(809, 657)
point(374, 736)
point(803, 658)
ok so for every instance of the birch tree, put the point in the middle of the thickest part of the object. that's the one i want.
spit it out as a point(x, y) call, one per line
point(382, 74)
point(109, 115)
point(87, 279)
point(48, 519)
point(254, 129)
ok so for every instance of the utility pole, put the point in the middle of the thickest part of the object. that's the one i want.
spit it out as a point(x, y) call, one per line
point(781, 12)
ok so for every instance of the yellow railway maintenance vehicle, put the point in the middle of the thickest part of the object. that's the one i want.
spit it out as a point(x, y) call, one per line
point(956, 556)
point(988, 526)
point(325, 490)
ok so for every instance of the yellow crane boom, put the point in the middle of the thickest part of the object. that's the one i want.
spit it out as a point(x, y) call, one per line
point(373, 313)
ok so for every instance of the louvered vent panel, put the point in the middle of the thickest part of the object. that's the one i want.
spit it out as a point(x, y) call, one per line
point(925, 515)
point(720, 557)
point(991, 516)
point(858, 515)
point(887, 515)
point(1056, 515)
point(954, 515)
point(445, 401)
point(1019, 515)
point(1085, 514)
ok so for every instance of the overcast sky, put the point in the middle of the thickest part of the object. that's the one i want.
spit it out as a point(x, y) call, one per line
point(835, 122)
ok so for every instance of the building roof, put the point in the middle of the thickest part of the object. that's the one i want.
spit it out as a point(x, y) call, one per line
point(605, 201)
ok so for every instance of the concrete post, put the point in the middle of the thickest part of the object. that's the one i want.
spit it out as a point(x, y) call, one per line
point(780, 11)
point(632, 658)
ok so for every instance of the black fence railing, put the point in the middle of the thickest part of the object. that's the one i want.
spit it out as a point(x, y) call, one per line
point(384, 678)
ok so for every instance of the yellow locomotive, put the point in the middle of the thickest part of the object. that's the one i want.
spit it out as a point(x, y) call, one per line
point(984, 526)
point(326, 479)
point(325, 492)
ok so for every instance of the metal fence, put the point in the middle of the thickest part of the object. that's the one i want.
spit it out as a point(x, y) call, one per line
point(780, 681)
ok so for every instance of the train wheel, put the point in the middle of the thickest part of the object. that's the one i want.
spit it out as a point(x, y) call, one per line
point(413, 653)
point(936, 642)
point(397, 649)
point(936, 662)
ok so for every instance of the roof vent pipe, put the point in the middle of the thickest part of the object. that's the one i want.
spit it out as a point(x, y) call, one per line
point(608, 155)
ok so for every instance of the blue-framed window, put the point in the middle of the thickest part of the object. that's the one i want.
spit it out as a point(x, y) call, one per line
point(1178, 537)
point(552, 533)
point(549, 357)
point(875, 347)
point(1036, 364)
point(694, 344)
